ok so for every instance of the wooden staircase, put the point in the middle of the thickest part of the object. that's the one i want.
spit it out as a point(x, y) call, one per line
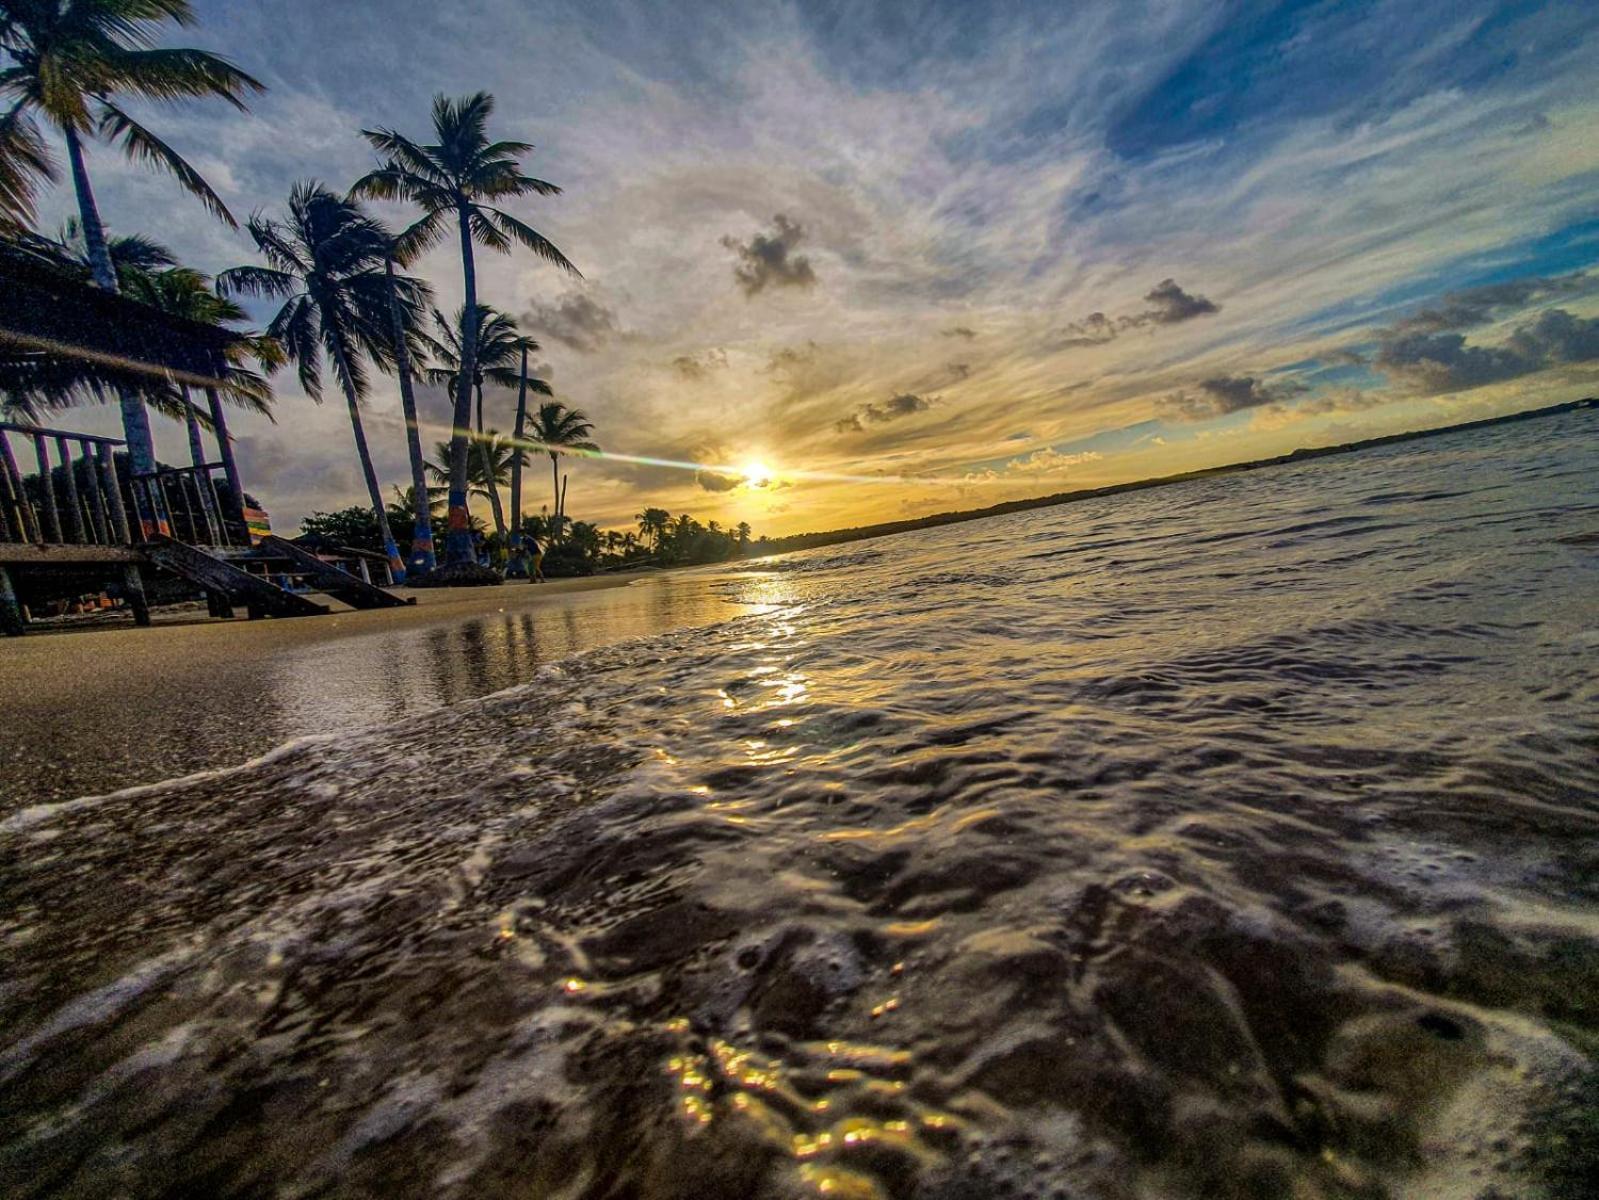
point(260, 597)
point(336, 582)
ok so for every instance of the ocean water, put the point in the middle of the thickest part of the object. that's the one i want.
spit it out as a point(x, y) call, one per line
point(1231, 839)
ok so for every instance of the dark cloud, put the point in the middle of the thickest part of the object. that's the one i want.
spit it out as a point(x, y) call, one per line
point(1477, 306)
point(716, 481)
point(1168, 304)
point(958, 370)
point(1224, 394)
point(768, 259)
point(697, 367)
point(576, 320)
point(1435, 363)
point(960, 331)
point(903, 405)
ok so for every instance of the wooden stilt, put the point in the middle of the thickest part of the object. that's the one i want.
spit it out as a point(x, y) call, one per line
point(97, 503)
point(47, 489)
point(133, 592)
point(119, 512)
point(22, 515)
point(74, 524)
point(12, 623)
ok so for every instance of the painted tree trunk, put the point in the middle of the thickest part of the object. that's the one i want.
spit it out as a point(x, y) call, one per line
point(486, 461)
point(516, 559)
point(230, 465)
point(458, 540)
point(390, 549)
point(202, 478)
point(422, 555)
point(135, 418)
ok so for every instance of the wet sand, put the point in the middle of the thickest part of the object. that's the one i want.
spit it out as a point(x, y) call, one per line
point(105, 707)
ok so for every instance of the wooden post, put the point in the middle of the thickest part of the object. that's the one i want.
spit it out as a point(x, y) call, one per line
point(119, 512)
point(102, 526)
point(64, 449)
point(133, 593)
point(366, 571)
point(23, 521)
point(52, 519)
point(12, 623)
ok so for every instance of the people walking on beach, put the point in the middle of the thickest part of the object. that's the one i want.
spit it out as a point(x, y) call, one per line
point(535, 558)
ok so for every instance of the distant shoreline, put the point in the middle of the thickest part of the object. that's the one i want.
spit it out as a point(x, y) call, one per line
point(807, 541)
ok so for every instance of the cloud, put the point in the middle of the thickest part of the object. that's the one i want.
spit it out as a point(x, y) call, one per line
point(1477, 306)
point(1050, 461)
point(1436, 363)
point(716, 481)
point(958, 371)
point(1223, 394)
point(903, 405)
point(1169, 304)
point(575, 320)
point(697, 367)
point(960, 331)
point(791, 358)
point(768, 259)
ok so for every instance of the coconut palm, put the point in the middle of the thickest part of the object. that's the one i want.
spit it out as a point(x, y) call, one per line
point(490, 471)
point(422, 558)
point(454, 179)
point(558, 430)
point(653, 524)
point(496, 339)
point(71, 63)
point(326, 261)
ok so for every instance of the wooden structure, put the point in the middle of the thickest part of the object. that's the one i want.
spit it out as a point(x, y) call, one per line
point(91, 518)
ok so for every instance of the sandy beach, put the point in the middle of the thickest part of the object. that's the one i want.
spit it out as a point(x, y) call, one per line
point(110, 706)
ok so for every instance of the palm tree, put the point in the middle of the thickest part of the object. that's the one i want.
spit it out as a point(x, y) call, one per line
point(490, 470)
point(422, 558)
point(496, 339)
point(558, 430)
point(326, 262)
point(653, 524)
point(741, 533)
point(516, 561)
point(70, 61)
point(453, 178)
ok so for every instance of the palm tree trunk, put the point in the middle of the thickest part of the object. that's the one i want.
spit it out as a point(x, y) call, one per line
point(555, 505)
point(458, 541)
point(135, 419)
point(490, 483)
point(516, 561)
point(202, 478)
point(230, 465)
point(422, 556)
point(396, 563)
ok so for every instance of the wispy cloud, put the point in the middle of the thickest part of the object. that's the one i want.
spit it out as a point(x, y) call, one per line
point(903, 405)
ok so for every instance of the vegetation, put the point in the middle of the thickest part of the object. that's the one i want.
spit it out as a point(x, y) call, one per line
point(456, 178)
point(344, 304)
point(72, 64)
point(328, 263)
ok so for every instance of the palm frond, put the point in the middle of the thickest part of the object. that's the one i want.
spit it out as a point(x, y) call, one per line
point(140, 144)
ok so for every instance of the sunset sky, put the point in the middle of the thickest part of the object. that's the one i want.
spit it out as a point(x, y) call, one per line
point(917, 257)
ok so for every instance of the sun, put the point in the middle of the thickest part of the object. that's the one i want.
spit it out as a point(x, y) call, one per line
point(756, 473)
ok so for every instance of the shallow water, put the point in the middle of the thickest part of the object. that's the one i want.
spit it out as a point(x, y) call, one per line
point(1235, 838)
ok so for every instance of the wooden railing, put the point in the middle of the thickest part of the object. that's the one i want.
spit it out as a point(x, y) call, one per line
point(82, 495)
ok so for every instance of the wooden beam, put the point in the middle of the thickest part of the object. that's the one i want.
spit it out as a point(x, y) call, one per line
point(31, 554)
point(74, 508)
